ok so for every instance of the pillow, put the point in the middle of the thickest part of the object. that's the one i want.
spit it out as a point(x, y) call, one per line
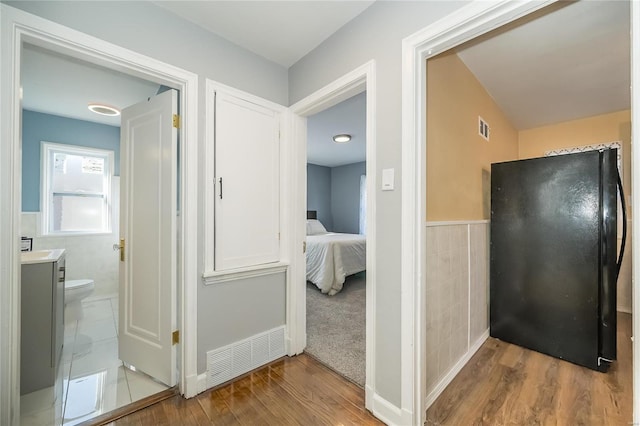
point(314, 227)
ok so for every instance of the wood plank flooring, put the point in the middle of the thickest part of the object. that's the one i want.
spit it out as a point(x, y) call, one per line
point(504, 384)
point(291, 391)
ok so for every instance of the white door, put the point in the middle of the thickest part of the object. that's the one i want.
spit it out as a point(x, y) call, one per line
point(247, 199)
point(148, 208)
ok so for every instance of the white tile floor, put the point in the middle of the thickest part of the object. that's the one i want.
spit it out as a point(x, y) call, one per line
point(91, 380)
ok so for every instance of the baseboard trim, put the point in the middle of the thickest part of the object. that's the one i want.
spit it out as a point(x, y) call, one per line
point(191, 386)
point(435, 393)
point(389, 413)
point(368, 397)
point(288, 344)
point(201, 383)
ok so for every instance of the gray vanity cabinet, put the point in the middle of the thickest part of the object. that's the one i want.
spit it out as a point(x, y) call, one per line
point(42, 328)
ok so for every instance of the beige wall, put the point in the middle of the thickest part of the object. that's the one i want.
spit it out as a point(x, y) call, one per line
point(456, 153)
point(615, 126)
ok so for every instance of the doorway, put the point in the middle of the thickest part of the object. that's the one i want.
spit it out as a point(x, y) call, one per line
point(358, 81)
point(336, 237)
point(79, 194)
point(519, 131)
point(426, 44)
point(71, 43)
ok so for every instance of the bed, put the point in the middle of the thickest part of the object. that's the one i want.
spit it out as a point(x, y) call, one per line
point(331, 256)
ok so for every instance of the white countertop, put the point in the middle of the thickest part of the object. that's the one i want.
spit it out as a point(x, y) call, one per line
point(41, 256)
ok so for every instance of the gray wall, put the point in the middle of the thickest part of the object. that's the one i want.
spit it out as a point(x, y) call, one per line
point(319, 193)
point(377, 34)
point(345, 197)
point(150, 30)
point(37, 127)
point(335, 194)
point(242, 315)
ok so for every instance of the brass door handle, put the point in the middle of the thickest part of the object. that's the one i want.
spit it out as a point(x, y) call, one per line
point(121, 248)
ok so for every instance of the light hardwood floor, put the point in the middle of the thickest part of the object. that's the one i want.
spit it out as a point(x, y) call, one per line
point(291, 391)
point(504, 384)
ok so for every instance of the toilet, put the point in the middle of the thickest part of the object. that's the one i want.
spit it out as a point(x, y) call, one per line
point(74, 292)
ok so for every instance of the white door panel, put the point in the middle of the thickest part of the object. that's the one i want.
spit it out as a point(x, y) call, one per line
point(148, 177)
point(247, 183)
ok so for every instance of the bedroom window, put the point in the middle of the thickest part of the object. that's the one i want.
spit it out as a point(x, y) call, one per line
point(76, 189)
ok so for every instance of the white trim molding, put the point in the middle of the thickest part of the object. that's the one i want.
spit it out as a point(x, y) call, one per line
point(18, 27)
point(441, 386)
point(456, 222)
point(211, 278)
point(389, 413)
point(635, 201)
point(360, 79)
point(468, 22)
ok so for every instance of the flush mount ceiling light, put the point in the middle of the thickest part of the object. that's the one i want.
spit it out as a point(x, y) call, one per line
point(103, 109)
point(342, 138)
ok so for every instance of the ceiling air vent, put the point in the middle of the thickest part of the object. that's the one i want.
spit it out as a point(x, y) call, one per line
point(483, 128)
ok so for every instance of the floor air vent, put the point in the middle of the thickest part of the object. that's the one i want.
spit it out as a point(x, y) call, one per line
point(231, 361)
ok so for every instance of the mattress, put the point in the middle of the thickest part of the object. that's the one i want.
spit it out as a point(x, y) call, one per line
point(331, 257)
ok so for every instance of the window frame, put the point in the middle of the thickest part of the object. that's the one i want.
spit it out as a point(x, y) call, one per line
point(47, 150)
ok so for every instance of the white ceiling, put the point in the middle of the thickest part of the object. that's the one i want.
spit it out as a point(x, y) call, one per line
point(281, 31)
point(64, 86)
point(349, 117)
point(568, 62)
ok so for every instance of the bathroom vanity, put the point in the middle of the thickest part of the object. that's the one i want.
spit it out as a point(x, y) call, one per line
point(42, 316)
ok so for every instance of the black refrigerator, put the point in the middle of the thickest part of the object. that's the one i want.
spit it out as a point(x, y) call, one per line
point(553, 251)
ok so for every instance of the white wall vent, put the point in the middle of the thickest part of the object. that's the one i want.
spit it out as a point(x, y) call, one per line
point(276, 342)
point(483, 128)
point(219, 366)
point(231, 361)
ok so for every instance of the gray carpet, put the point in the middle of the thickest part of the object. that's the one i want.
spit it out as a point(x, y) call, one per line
point(336, 328)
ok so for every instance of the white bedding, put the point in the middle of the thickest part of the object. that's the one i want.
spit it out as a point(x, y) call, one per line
point(331, 257)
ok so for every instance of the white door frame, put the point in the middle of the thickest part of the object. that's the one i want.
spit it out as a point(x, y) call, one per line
point(356, 81)
point(635, 183)
point(17, 27)
point(464, 24)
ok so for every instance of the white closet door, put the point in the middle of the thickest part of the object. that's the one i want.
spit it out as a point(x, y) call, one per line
point(247, 190)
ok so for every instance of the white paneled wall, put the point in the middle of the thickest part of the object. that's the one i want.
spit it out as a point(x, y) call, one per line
point(457, 298)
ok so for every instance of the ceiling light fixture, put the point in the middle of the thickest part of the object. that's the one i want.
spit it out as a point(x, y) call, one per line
point(342, 138)
point(103, 109)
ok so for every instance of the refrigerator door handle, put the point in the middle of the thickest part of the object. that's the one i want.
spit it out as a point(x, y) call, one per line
point(624, 226)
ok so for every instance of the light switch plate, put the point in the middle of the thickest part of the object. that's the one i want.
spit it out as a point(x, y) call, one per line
point(387, 179)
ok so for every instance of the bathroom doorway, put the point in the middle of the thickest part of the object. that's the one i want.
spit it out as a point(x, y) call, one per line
point(91, 379)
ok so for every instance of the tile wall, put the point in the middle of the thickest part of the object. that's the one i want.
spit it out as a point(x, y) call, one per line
point(457, 295)
point(87, 257)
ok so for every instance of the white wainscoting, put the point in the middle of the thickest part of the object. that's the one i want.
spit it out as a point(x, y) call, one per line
point(457, 298)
